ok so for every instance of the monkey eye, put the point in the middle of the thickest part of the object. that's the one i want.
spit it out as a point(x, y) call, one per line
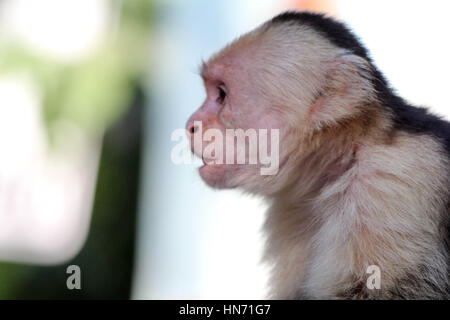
point(222, 94)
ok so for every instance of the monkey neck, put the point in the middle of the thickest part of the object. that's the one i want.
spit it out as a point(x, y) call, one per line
point(294, 218)
point(327, 154)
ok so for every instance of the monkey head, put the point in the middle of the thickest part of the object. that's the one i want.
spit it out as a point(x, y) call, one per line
point(280, 79)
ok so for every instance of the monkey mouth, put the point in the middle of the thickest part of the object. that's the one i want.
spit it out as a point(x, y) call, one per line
point(209, 161)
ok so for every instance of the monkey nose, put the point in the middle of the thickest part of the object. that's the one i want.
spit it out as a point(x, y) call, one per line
point(191, 127)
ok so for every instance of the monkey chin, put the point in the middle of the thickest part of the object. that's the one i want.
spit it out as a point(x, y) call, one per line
point(216, 176)
point(219, 176)
point(230, 176)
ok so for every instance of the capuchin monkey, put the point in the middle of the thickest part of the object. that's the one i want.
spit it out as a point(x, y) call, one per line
point(363, 177)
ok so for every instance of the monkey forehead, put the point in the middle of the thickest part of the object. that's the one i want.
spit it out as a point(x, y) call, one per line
point(225, 66)
point(234, 60)
point(212, 70)
point(271, 44)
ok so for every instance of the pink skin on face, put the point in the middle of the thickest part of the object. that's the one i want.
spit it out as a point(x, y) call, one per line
point(215, 175)
point(230, 103)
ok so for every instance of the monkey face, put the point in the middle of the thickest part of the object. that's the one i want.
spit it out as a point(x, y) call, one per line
point(267, 98)
point(235, 131)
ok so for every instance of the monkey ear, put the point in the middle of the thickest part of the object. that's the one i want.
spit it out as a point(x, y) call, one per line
point(348, 86)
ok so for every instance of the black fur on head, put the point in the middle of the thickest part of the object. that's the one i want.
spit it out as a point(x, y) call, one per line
point(406, 117)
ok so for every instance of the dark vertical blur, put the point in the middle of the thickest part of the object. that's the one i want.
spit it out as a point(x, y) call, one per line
point(106, 260)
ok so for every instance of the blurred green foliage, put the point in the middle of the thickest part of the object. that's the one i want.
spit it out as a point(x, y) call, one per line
point(106, 260)
point(92, 92)
point(102, 91)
